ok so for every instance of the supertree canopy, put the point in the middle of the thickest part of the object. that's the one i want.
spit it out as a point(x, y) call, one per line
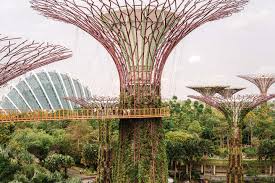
point(208, 90)
point(262, 81)
point(139, 35)
point(234, 108)
point(229, 92)
point(19, 56)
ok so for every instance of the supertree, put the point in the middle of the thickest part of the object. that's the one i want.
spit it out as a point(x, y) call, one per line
point(208, 90)
point(139, 35)
point(104, 171)
point(262, 81)
point(234, 108)
point(18, 56)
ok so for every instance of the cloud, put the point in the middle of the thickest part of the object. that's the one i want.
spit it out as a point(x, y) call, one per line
point(251, 19)
point(194, 59)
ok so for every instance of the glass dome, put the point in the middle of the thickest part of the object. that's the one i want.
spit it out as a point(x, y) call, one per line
point(44, 90)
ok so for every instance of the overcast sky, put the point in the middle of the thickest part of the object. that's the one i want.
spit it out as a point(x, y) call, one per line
point(213, 54)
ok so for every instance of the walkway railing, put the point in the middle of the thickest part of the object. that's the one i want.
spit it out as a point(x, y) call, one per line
point(82, 114)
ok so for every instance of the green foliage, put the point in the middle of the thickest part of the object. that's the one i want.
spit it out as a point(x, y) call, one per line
point(195, 127)
point(55, 162)
point(36, 142)
point(266, 149)
point(73, 180)
point(7, 168)
point(187, 149)
point(178, 136)
point(6, 132)
point(250, 152)
point(90, 155)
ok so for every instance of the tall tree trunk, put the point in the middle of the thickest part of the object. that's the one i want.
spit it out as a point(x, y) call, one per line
point(235, 170)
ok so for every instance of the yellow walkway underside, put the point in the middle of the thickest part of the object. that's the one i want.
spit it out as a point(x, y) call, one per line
point(7, 116)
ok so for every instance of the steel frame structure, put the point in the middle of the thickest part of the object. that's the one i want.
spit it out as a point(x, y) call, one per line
point(262, 81)
point(234, 108)
point(139, 35)
point(208, 90)
point(18, 56)
point(229, 92)
point(103, 102)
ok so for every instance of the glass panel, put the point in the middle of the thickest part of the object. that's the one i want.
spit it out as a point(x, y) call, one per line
point(68, 85)
point(49, 89)
point(18, 100)
point(6, 104)
point(77, 88)
point(27, 94)
point(59, 88)
point(33, 83)
point(87, 93)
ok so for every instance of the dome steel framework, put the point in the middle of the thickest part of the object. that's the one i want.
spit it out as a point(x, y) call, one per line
point(44, 90)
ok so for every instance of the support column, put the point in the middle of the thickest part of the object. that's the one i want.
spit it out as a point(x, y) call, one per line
point(235, 170)
point(104, 172)
point(141, 155)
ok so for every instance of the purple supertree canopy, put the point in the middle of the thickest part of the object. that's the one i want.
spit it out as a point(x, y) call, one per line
point(19, 56)
point(262, 81)
point(236, 106)
point(140, 34)
point(229, 92)
point(209, 90)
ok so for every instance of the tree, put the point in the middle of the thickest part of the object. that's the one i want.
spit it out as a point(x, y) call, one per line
point(7, 168)
point(266, 149)
point(36, 142)
point(195, 127)
point(5, 133)
point(184, 147)
point(90, 155)
point(56, 162)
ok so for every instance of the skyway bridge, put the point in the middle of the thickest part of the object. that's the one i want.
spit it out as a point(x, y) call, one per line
point(8, 116)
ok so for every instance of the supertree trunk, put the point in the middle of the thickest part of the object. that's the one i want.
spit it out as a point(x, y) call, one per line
point(234, 108)
point(235, 169)
point(104, 161)
point(141, 154)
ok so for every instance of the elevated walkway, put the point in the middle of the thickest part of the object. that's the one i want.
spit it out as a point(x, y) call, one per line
point(7, 116)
